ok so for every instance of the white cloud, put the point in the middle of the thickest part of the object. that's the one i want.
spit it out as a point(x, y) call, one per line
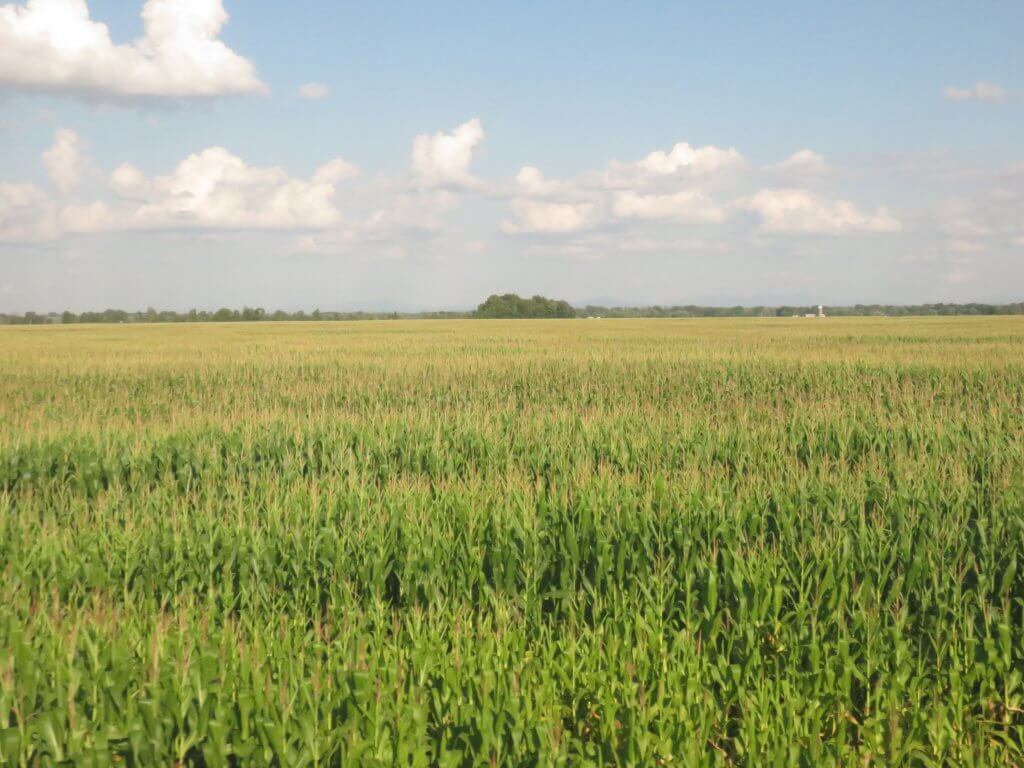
point(980, 91)
point(695, 160)
point(87, 218)
point(219, 190)
point(530, 181)
point(19, 196)
point(645, 190)
point(127, 180)
point(538, 216)
point(416, 216)
point(420, 211)
point(681, 185)
point(64, 161)
point(444, 158)
point(314, 91)
point(212, 189)
point(797, 210)
point(335, 171)
point(806, 161)
point(25, 214)
point(54, 45)
point(688, 205)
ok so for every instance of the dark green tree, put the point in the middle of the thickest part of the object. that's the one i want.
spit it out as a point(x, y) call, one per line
point(510, 305)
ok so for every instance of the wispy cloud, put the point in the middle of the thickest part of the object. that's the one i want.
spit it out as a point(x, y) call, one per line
point(980, 91)
point(314, 91)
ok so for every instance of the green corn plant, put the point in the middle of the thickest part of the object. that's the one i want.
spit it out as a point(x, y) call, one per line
point(729, 542)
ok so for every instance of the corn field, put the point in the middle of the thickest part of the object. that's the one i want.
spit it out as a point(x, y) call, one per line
point(539, 543)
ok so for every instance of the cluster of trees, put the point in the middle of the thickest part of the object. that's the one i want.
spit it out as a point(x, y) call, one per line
point(508, 305)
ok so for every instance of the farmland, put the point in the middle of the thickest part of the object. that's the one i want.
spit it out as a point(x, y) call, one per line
point(611, 542)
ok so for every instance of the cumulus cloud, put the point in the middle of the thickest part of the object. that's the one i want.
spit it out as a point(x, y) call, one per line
point(695, 160)
point(413, 216)
point(540, 216)
point(530, 181)
point(980, 91)
point(24, 213)
point(797, 210)
point(212, 189)
point(683, 185)
point(128, 181)
point(19, 196)
point(550, 206)
point(687, 205)
point(314, 91)
point(335, 171)
point(806, 161)
point(54, 45)
point(444, 158)
point(417, 211)
point(217, 189)
point(64, 161)
point(642, 190)
point(87, 218)
point(29, 215)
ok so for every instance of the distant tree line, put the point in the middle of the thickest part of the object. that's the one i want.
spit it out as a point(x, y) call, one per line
point(508, 305)
point(223, 315)
point(859, 310)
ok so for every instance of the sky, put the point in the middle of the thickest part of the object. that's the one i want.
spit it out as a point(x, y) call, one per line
point(385, 155)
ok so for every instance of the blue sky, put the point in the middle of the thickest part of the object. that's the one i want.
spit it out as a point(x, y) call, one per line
point(901, 124)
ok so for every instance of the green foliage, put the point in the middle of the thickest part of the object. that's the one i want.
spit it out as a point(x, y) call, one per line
point(618, 543)
point(511, 306)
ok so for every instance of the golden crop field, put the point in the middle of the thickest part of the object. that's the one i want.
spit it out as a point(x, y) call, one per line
point(576, 542)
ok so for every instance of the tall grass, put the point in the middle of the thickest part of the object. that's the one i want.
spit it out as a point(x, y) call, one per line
point(513, 543)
